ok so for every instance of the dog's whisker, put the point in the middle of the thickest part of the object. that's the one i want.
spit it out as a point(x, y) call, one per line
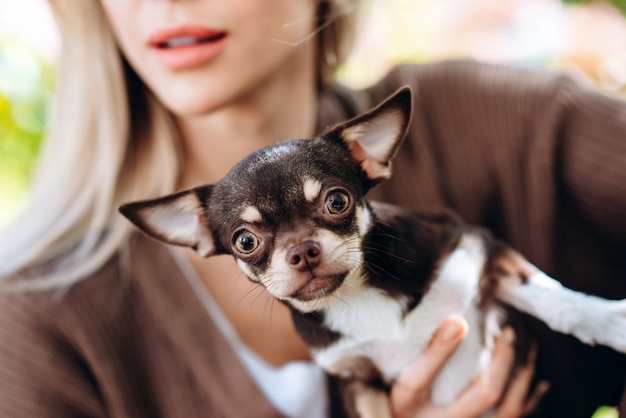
point(256, 287)
point(340, 299)
point(386, 235)
point(259, 294)
point(269, 301)
point(376, 269)
point(370, 249)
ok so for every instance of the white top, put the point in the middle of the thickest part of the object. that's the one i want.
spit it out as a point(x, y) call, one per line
point(296, 389)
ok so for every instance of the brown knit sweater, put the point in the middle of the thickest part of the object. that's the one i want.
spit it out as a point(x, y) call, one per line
point(534, 156)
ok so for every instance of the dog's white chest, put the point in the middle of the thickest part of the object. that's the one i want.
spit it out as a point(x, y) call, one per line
point(374, 326)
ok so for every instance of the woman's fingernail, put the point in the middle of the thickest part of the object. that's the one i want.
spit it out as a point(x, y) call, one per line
point(451, 331)
point(543, 387)
point(509, 335)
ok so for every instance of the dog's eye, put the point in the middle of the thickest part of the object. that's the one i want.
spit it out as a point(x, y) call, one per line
point(246, 242)
point(337, 202)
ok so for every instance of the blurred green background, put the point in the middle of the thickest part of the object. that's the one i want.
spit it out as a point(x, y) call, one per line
point(26, 86)
point(587, 39)
point(618, 4)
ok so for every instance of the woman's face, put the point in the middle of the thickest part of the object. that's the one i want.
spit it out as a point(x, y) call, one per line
point(199, 55)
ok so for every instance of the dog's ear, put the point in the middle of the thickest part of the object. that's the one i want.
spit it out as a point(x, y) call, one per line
point(375, 136)
point(175, 219)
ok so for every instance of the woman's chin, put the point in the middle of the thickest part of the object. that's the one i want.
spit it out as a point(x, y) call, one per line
point(191, 102)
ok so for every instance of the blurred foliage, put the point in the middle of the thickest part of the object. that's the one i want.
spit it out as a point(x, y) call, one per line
point(606, 412)
point(27, 78)
point(26, 85)
point(618, 4)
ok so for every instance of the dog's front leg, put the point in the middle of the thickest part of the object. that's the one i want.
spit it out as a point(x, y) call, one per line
point(591, 319)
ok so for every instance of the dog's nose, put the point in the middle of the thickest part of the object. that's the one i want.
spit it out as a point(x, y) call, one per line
point(304, 256)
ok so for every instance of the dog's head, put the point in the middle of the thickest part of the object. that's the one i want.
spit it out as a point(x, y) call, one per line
point(293, 214)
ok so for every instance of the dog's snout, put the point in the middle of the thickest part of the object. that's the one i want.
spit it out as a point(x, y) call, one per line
point(305, 255)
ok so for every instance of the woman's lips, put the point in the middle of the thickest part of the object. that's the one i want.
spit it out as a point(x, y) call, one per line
point(187, 46)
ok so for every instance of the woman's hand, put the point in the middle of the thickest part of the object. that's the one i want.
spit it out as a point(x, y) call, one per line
point(410, 394)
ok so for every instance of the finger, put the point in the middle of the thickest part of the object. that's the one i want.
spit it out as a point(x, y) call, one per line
point(413, 385)
point(537, 395)
point(486, 390)
point(447, 338)
point(514, 403)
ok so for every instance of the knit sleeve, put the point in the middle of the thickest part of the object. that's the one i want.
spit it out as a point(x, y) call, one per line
point(535, 156)
point(593, 157)
point(40, 374)
point(539, 159)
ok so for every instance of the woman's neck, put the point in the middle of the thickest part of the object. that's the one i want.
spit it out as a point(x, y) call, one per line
point(283, 107)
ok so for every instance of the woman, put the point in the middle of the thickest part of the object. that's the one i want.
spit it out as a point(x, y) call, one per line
point(157, 96)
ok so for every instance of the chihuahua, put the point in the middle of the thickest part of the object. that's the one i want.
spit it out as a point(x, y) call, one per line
point(369, 283)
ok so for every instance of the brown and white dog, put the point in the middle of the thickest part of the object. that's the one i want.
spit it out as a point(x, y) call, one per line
point(369, 283)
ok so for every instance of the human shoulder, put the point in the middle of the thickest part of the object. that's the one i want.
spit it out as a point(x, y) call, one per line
point(62, 311)
point(454, 77)
point(44, 350)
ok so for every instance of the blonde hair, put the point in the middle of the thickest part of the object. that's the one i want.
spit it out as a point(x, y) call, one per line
point(96, 156)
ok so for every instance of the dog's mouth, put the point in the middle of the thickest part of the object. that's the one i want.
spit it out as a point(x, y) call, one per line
point(319, 287)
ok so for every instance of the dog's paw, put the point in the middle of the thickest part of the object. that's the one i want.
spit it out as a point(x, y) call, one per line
point(605, 324)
